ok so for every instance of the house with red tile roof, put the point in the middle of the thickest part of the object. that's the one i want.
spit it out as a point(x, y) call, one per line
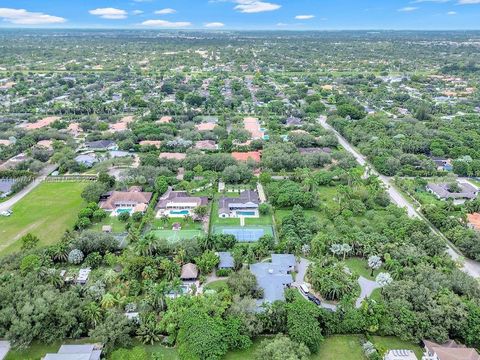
point(172, 156)
point(244, 156)
point(205, 126)
point(206, 145)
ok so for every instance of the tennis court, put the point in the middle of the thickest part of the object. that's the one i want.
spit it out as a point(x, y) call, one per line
point(175, 236)
point(245, 233)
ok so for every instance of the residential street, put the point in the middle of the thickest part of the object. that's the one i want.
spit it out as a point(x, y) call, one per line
point(26, 190)
point(469, 266)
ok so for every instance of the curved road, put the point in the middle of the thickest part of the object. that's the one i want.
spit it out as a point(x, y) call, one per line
point(470, 267)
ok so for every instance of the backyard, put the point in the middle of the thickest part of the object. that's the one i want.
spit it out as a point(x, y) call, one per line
point(46, 212)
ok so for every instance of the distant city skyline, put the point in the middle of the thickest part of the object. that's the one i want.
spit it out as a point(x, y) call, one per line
point(244, 14)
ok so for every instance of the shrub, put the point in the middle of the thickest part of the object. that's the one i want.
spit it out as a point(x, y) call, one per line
point(75, 256)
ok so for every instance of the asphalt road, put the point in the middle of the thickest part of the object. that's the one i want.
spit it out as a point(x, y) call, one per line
point(470, 267)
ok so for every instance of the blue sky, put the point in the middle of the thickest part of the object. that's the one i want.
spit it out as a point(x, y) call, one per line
point(243, 14)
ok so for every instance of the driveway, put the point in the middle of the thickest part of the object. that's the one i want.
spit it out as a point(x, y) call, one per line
point(27, 189)
point(470, 267)
point(366, 289)
point(366, 286)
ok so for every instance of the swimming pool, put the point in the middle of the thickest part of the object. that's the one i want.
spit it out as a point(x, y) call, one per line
point(179, 212)
point(246, 213)
point(123, 210)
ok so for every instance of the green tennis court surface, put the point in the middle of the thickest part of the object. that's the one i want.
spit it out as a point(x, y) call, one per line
point(174, 236)
point(250, 233)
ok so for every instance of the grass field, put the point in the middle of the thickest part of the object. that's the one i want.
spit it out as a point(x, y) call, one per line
point(359, 266)
point(393, 343)
point(217, 285)
point(174, 236)
point(117, 225)
point(46, 212)
point(345, 347)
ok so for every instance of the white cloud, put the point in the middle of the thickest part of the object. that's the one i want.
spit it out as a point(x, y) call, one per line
point(109, 13)
point(214, 25)
point(24, 17)
point(281, 24)
point(408, 9)
point(166, 24)
point(137, 12)
point(304, 17)
point(166, 11)
point(255, 6)
point(451, 13)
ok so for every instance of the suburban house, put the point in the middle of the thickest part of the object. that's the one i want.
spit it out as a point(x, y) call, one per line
point(473, 220)
point(189, 272)
point(448, 351)
point(172, 156)
point(178, 204)
point(164, 120)
point(443, 192)
point(443, 164)
point(400, 355)
point(252, 125)
point(246, 205)
point(205, 126)
point(101, 145)
point(86, 160)
point(155, 143)
point(226, 261)
point(76, 352)
point(272, 278)
point(314, 150)
point(206, 145)
point(245, 156)
point(293, 121)
point(286, 260)
point(133, 200)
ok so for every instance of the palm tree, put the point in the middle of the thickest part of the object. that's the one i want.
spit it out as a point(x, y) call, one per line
point(108, 301)
point(149, 331)
point(147, 246)
point(156, 296)
point(170, 268)
point(93, 313)
point(374, 263)
point(383, 279)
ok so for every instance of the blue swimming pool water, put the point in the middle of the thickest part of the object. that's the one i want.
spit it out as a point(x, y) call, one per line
point(179, 212)
point(246, 213)
point(122, 210)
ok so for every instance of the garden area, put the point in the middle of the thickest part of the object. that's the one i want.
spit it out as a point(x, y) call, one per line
point(46, 212)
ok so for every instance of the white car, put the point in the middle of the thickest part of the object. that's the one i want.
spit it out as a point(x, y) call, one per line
point(6, 213)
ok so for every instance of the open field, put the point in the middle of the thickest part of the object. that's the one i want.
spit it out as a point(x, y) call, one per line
point(173, 236)
point(46, 212)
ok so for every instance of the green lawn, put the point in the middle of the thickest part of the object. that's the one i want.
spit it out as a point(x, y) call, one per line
point(37, 351)
point(216, 285)
point(46, 212)
point(359, 266)
point(173, 236)
point(393, 343)
point(345, 347)
point(159, 224)
point(117, 225)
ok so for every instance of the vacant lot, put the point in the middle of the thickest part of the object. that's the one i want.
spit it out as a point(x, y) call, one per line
point(46, 212)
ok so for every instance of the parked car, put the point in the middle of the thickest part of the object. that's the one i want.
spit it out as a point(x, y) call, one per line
point(314, 299)
point(6, 213)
